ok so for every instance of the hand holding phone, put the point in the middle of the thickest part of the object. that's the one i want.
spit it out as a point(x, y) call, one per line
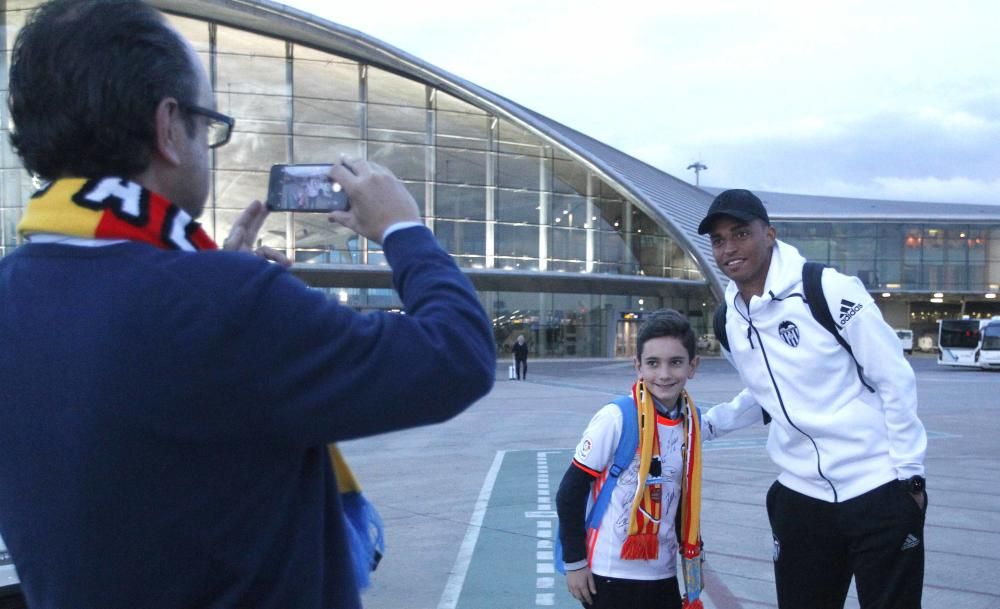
point(305, 188)
point(378, 199)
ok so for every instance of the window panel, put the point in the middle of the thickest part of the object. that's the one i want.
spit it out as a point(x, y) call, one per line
point(396, 124)
point(461, 167)
point(517, 206)
point(462, 130)
point(567, 244)
point(518, 141)
point(319, 76)
point(230, 40)
point(324, 150)
point(461, 238)
point(405, 161)
point(609, 214)
point(569, 177)
point(194, 31)
point(461, 202)
point(250, 75)
point(252, 151)
point(388, 88)
point(234, 190)
point(516, 241)
point(518, 171)
point(569, 211)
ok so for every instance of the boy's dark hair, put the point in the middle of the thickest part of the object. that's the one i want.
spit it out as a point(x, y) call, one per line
point(666, 322)
point(85, 80)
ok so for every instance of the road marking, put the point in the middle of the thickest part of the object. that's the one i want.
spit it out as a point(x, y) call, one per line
point(449, 598)
point(545, 560)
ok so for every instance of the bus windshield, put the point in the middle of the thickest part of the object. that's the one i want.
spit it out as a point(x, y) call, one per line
point(962, 334)
point(991, 337)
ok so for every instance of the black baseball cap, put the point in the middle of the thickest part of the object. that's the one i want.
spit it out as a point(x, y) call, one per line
point(737, 203)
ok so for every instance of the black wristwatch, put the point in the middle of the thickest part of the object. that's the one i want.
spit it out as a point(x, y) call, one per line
point(916, 484)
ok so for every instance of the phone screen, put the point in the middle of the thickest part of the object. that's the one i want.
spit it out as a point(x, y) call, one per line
point(304, 188)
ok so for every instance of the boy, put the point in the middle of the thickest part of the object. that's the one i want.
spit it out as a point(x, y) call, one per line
point(627, 559)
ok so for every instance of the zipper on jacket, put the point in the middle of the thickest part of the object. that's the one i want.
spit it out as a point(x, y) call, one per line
point(781, 402)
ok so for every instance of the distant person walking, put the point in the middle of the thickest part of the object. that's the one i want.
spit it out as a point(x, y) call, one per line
point(520, 351)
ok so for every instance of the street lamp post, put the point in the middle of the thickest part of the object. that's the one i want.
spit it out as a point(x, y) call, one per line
point(698, 167)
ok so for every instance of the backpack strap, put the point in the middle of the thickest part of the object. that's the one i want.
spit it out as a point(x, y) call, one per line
point(624, 455)
point(719, 325)
point(812, 286)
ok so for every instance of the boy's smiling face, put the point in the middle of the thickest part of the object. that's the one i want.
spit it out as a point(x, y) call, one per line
point(665, 367)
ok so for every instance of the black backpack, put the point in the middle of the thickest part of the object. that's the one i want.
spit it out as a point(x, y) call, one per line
point(812, 286)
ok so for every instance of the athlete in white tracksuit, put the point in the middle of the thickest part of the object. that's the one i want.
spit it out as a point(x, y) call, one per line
point(850, 497)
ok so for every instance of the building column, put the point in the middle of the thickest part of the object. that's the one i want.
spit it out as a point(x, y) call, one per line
point(363, 121)
point(290, 141)
point(544, 206)
point(593, 187)
point(492, 159)
point(430, 159)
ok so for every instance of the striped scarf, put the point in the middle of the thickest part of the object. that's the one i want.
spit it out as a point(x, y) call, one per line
point(644, 518)
point(113, 208)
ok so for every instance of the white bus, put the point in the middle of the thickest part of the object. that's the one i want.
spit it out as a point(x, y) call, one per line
point(973, 343)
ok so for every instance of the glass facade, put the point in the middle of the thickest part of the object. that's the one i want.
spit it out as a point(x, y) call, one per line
point(911, 257)
point(942, 270)
point(560, 324)
point(496, 195)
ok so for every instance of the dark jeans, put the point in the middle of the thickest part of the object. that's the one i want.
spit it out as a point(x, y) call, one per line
point(12, 600)
point(636, 594)
point(878, 538)
point(521, 365)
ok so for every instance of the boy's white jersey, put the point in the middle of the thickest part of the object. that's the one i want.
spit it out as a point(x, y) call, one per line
point(595, 454)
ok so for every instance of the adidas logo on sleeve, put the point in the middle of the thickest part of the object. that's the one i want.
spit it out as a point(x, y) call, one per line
point(910, 542)
point(848, 310)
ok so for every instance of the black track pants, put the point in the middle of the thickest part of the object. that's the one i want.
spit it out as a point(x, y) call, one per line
point(635, 594)
point(878, 538)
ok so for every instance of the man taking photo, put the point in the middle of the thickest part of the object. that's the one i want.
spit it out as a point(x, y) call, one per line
point(167, 408)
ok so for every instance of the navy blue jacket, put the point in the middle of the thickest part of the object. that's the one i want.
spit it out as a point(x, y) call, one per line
point(164, 416)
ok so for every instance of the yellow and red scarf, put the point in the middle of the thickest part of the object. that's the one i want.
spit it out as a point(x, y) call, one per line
point(112, 208)
point(644, 519)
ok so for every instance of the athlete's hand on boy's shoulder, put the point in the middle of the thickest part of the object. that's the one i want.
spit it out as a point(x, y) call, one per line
point(581, 585)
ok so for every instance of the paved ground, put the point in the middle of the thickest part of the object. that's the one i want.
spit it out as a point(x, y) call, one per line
point(469, 505)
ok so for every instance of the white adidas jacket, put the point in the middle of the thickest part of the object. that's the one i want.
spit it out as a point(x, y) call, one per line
point(832, 437)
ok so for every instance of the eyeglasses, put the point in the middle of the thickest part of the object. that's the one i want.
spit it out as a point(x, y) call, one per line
point(220, 126)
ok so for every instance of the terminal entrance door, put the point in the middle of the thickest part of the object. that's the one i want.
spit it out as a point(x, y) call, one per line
point(625, 336)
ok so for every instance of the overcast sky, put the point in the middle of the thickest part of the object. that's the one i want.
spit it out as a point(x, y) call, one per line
point(891, 99)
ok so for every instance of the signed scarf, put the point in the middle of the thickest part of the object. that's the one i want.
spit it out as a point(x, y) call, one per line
point(644, 517)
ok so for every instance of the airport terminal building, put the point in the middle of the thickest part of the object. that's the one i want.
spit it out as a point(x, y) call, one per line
point(567, 240)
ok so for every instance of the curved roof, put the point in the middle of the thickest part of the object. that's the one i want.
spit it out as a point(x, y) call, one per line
point(794, 207)
point(673, 203)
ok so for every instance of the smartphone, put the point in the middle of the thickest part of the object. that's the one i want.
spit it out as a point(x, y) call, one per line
point(304, 188)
